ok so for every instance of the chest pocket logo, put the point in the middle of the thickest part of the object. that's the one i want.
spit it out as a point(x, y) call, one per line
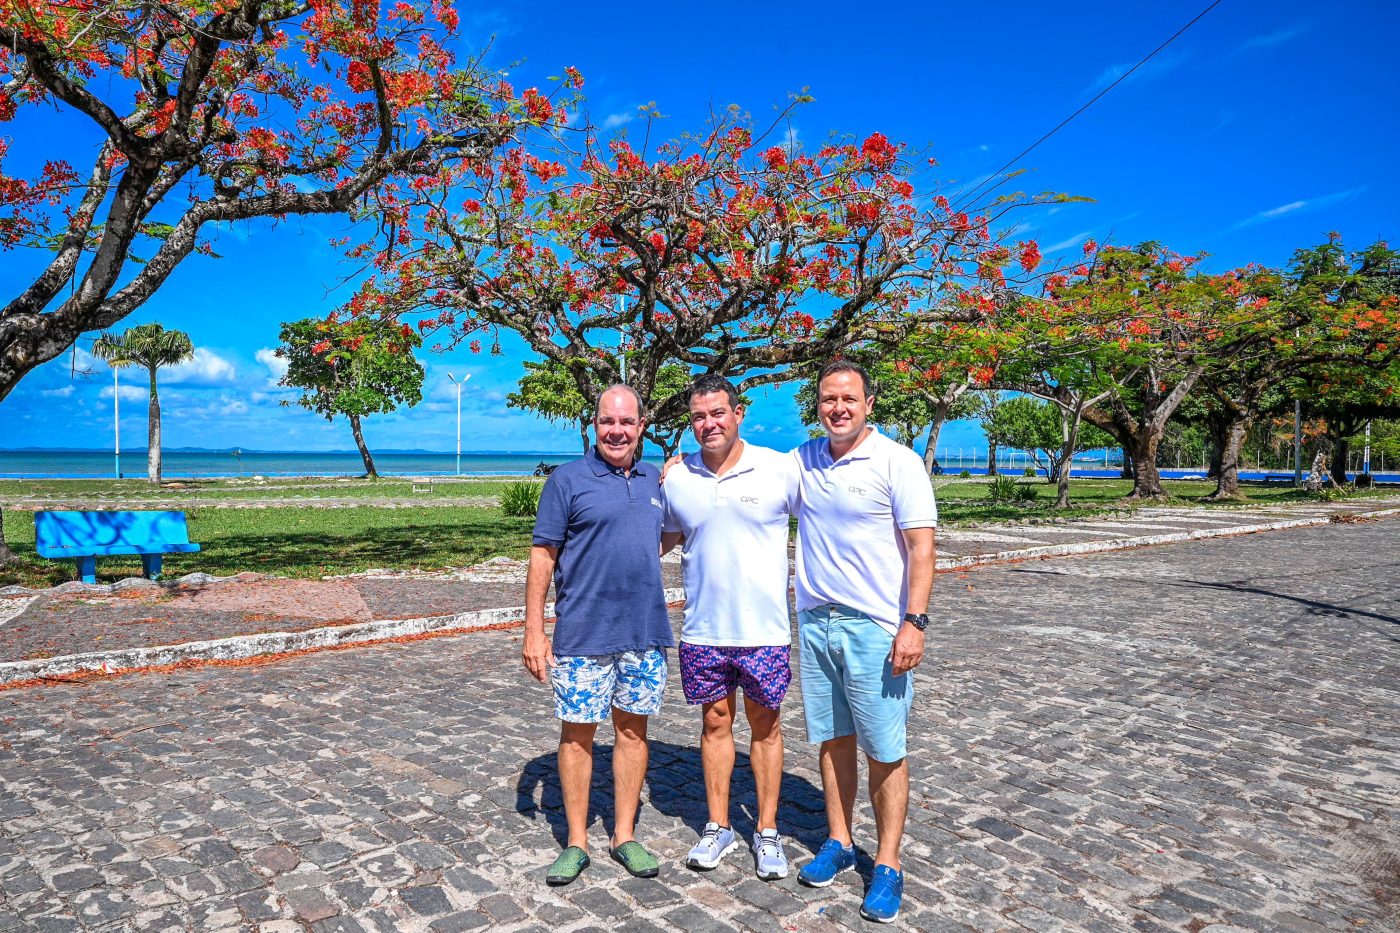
point(656, 502)
point(749, 500)
point(857, 490)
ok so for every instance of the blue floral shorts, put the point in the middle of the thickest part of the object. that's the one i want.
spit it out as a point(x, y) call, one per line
point(586, 687)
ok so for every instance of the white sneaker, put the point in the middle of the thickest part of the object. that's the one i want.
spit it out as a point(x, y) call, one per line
point(715, 843)
point(770, 861)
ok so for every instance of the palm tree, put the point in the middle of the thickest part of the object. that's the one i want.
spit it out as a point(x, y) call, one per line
point(151, 346)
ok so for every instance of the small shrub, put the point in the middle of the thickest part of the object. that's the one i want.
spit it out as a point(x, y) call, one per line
point(521, 500)
point(1002, 489)
point(1029, 471)
point(964, 474)
point(1027, 493)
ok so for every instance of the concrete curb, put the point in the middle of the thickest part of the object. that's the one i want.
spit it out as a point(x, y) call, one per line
point(1122, 544)
point(268, 643)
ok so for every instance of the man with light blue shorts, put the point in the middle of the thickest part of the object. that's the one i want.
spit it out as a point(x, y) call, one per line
point(865, 561)
point(598, 538)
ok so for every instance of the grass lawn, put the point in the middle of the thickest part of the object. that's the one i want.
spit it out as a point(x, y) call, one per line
point(137, 490)
point(301, 540)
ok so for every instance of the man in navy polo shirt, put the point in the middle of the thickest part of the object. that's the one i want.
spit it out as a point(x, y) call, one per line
point(598, 537)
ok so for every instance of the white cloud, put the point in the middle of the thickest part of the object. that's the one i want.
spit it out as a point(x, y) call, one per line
point(791, 141)
point(128, 393)
point(276, 365)
point(1067, 243)
point(1292, 207)
point(1153, 68)
point(206, 369)
point(1271, 38)
point(59, 393)
point(613, 120)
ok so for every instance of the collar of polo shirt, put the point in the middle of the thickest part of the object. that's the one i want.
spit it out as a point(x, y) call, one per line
point(602, 467)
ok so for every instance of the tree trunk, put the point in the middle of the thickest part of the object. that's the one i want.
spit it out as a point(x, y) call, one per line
point(370, 472)
point(7, 556)
point(1341, 452)
point(1129, 470)
point(1069, 433)
point(153, 434)
point(1218, 429)
point(1231, 439)
point(1147, 482)
point(991, 457)
point(934, 429)
point(583, 425)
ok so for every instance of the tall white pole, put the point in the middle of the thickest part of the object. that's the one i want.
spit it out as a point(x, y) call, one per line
point(116, 425)
point(621, 339)
point(459, 416)
point(1366, 458)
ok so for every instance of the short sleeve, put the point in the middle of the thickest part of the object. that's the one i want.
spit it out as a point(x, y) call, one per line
point(911, 493)
point(552, 519)
point(669, 521)
point(791, 468)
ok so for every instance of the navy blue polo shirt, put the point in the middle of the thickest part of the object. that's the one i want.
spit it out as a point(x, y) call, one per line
point(607, 583)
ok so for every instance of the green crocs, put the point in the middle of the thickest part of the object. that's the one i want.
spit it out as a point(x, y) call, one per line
point(638, 861)
point(567, 867)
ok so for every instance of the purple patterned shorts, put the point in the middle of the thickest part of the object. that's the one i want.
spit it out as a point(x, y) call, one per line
point(710, 673)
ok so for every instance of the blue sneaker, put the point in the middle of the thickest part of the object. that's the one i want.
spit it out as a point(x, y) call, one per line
point(885, 895)
point(831, 859)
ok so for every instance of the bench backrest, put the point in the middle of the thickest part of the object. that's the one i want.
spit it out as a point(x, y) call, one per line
point(87, 529)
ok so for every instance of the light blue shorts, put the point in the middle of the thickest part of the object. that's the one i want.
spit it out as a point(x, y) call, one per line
point(587, 687)
point(848, 685)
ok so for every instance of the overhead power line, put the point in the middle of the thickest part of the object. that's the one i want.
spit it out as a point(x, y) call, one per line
point(1061, 125)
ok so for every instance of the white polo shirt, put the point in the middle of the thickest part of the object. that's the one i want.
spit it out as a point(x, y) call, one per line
point(735, 562)
point(850, 546)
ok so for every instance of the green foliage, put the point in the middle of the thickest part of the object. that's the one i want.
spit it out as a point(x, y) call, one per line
point(964, 474)
point(1003, 489)
point(354, 368)
point(148, 345)
point(1028, 471)
point(521, 500)
point(1027, 493)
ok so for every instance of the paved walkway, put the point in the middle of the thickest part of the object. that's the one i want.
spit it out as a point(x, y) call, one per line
point(1202, 737)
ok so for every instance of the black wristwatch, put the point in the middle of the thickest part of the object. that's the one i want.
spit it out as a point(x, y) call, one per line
point(919, 621)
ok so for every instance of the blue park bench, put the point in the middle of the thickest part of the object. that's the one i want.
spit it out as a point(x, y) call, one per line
point(84, 536)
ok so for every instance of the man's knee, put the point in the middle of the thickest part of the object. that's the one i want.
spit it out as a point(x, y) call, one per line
point(577, 734)
point(630, 727)
point(719, 717)
point(764, 724)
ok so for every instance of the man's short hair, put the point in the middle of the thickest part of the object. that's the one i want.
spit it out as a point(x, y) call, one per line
point(846, 366)
point(641, 408)
point(709, 384)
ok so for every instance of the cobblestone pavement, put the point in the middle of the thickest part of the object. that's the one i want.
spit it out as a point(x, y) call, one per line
point(1197, 737)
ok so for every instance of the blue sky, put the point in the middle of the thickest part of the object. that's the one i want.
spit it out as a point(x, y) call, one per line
point(1263, 127)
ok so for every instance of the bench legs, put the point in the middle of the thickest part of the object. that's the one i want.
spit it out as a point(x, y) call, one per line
point(150, 566)
point(87, 568)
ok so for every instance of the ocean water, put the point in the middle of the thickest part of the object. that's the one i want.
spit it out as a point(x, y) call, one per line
point(33, 464)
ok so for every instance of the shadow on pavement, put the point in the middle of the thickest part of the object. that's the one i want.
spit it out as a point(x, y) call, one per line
point(675, 786)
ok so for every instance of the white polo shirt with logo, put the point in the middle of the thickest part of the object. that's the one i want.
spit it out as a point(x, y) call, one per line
point(735, 562)
point(850, 541)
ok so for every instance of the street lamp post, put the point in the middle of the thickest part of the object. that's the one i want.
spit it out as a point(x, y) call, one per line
point(459, 416)
point(116, 425)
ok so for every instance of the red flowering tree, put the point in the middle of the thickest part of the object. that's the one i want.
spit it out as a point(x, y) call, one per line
point(217, 113)
point(716, 252)
point(1147, 326)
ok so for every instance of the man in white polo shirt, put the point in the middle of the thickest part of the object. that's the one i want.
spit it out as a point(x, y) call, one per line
point(865, 563)
point(730, 503)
